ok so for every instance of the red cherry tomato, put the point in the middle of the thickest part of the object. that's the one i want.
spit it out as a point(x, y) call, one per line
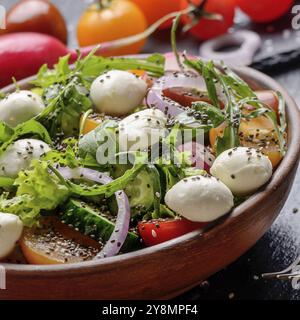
point(155, 231)
point(207, 29)
point(265, 10)
point(36, 16)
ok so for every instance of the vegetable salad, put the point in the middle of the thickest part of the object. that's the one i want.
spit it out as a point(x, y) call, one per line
point(83, 169)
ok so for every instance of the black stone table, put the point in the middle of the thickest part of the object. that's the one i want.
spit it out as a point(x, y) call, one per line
point(281, 244)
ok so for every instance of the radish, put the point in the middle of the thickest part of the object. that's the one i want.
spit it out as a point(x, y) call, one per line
point(22, 54)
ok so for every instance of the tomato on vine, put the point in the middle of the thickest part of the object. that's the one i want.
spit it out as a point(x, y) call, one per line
point(265, 10)
point(208, 28)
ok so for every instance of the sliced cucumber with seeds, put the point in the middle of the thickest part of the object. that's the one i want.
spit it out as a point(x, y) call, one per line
point(90, 222)
point(140, 191)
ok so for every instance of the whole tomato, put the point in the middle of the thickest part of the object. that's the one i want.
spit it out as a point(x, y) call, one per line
point(36, 16)
point(265, 10)
point(111, 20)
point(207, 29)
point(156, 9)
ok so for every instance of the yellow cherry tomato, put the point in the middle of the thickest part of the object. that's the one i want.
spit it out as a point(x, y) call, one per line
point(111, 20)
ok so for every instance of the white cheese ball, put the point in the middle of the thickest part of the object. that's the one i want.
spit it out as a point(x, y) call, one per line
point(117, 92)
point(19, 155)
point(200, 198)
point(20, 106)
point(11, 228)
point(142, 129)
point(242, 169)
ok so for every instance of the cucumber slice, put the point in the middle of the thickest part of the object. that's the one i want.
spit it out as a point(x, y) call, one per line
point(87, 220)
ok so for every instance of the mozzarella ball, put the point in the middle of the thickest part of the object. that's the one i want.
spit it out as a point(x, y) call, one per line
point(200, 198)
point(117, 92)
point(20, 106)
point(11, 228)
point(141, 130)
point(242, 169)
point(19, 155)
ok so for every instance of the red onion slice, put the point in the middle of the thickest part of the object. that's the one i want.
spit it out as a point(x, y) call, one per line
point(118, 236)
point(201, 157)
point(156, 99)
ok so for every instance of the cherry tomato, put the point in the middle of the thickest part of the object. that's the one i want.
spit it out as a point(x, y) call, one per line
point(56, 243)
point(265, 10)
point(207, 29)
point(36, 16)
point(117, 19)
point(260, 125)
point(155, 231)
point(156, 9)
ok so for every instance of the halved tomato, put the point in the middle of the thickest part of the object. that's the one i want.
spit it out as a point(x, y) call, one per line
point(91, 123)
point(258, 133)
point(157, 231)
point(56, 243)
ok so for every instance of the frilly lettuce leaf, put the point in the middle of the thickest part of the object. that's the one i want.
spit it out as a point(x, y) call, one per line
point(37, 190)
point(65, 158)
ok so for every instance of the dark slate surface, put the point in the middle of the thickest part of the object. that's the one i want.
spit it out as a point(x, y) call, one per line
point(281, 244)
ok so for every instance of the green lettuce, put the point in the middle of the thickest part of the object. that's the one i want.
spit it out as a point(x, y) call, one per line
point(37, 190)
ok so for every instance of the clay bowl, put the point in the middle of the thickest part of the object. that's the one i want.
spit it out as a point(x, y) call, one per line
point(171, 268)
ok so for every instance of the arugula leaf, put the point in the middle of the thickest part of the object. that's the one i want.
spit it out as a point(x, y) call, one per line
point(281, 139)
point(213, 114)
point(239, 86)
point(109, 189)
point(282, 113)
point(189, 121)
point(30, 127)
point(229, 140)
point(208, 75)
point(155, 177)
point(154, 65)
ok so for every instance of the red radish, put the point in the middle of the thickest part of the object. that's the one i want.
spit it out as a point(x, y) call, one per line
point(22, 54)
point(201, 157)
